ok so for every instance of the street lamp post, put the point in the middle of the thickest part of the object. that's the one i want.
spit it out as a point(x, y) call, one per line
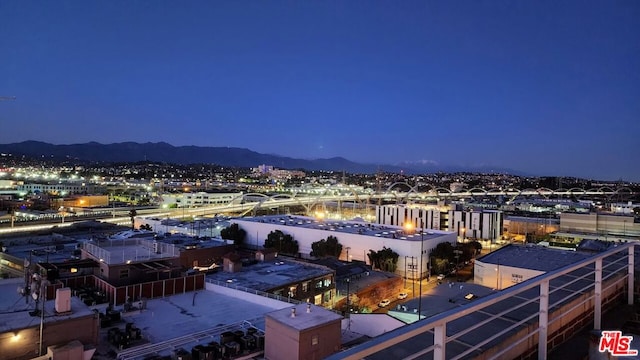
point(348, 305)
point(421, 273)
point(409, 227)
point(413, 270)
point(405, 272)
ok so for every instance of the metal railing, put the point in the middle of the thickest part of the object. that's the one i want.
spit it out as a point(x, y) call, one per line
point(254, 291)
point(527, 314)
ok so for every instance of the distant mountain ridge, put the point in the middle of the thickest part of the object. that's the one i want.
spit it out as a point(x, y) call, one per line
point(223, 156)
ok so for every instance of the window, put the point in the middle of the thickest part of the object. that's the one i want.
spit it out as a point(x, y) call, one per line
point(305, 287)
point(314, 340)
point(124, 273)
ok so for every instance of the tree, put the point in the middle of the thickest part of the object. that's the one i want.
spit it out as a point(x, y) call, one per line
point(442, 256)
point(132, 214)
point(443, 251)
point(234, 232)
point(385, 259)
point(325, 248)
point(477, 246)
point(283, 243)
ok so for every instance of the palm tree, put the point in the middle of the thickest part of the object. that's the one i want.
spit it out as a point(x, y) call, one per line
point(132, 214)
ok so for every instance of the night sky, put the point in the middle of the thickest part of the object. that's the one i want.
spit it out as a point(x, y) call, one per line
point(543, 87)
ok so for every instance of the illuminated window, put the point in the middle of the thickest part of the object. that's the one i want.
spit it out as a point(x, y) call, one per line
point(74, 270)
point(314, 340)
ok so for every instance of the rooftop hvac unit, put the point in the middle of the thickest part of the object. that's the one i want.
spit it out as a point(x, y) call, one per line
point(226, 337)
point(259, 340)
point(182, 354)
point(232, 349)
point(63, 300)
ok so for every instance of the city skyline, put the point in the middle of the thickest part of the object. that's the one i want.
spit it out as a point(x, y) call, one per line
point(542, 88)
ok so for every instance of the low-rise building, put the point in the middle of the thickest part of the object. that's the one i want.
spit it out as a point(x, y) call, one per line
point(283, 277)
point(513, 264)
point(357, 239)
point(63, 319)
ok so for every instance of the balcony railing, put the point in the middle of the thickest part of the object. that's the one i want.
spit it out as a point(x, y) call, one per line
point(516, 321)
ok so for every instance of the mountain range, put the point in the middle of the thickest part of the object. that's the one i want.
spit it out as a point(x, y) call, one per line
point(223, 156)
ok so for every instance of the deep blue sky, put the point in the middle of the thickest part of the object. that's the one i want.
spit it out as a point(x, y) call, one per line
point(544, 87)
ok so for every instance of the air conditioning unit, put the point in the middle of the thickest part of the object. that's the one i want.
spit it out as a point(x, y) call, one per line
point(63, 300)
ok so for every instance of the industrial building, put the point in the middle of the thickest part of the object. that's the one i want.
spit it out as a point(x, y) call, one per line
point(357, 239)
point(513, 264)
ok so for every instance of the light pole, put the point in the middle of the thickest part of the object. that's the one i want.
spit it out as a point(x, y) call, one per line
point(405, 272)
point(348, 306)
point(498, 275)
point(409, 227)
point(421, 273)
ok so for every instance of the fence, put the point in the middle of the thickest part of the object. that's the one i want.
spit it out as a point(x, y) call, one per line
point(255, 292)
point(149, 290)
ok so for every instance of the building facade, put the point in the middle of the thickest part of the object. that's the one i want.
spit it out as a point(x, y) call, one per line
point(481, 225)
point(61, 188)
point(357, 239)
point(198, 199)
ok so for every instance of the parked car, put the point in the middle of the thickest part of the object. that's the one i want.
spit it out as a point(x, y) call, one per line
point(402, 295)
point(441, 277)
point(384, 303)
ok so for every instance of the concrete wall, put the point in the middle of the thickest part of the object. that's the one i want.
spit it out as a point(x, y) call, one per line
point(285, 343)
point(500, 276)
point(203, 256)
point(25, 344)
point(254, 298)
point(599, 224)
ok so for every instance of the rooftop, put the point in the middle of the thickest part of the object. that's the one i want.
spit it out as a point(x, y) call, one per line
point(307, 316)
point(271, 274)
point(533, 257)
point(15, 308)
point(350, 227)
point(185, 320)
point(130, 250)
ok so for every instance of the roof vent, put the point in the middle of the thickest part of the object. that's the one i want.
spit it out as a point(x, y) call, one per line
point(308, 308)
point(293, 312)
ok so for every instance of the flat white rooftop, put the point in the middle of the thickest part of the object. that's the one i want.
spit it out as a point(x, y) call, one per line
point(351, 227)
point(304, 320)
point(193, 312)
